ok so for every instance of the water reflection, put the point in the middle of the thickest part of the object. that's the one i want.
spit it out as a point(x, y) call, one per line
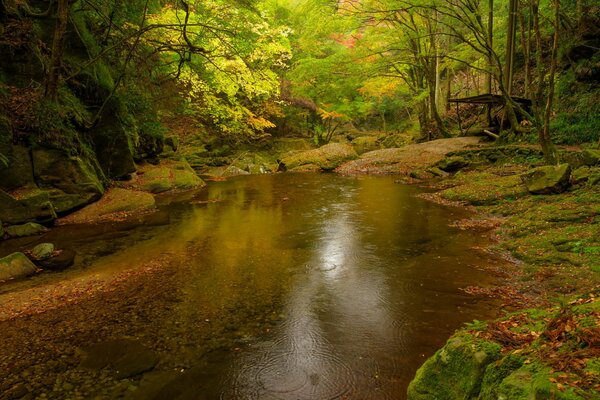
point(284, 287)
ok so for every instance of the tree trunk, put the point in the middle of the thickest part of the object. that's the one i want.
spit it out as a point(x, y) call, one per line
point(510, 46)
point(490, 75)
point(55, 67)
point(548, 148)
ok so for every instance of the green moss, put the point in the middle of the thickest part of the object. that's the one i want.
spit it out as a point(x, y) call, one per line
point(327, 157)
point(484, 188)
point(455, 371)
point(532, 381)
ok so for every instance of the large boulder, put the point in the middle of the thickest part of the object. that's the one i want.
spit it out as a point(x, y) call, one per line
point(26, 205)
point(328, 157)
point(117, 203)
point(455, 371)
point(168, 175)
point(112, 144)
point(547, 179)
point(28, 229)
point(71, 181)
point(16, 266)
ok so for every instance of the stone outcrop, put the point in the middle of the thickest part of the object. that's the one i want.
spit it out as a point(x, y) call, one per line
point(547, 179)
point(27, 205)
point(70, 181)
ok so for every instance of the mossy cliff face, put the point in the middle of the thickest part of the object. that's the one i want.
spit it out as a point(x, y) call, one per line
point(58, 152)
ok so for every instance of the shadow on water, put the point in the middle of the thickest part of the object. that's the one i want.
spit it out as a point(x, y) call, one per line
point(276, 287)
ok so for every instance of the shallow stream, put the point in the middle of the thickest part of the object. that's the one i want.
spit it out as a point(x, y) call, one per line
point(287, 286)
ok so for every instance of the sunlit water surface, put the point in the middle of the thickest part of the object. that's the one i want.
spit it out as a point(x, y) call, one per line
point(313, 286)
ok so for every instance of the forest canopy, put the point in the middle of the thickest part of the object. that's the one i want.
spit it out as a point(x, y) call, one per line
point(247, 70)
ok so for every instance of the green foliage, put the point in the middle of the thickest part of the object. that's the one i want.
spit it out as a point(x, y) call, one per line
point(578, 117)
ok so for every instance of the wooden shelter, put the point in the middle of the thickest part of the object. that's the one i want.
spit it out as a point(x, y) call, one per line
point(491, 100)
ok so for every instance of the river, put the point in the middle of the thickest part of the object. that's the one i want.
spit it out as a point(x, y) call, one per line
point(284, 286)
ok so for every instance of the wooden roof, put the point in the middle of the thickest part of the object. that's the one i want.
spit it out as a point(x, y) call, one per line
point(488, 98)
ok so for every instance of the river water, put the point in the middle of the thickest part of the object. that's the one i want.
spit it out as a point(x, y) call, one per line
point(286, 286)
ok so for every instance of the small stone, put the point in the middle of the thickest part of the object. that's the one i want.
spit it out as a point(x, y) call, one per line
point(42, 251)
point(64, 259)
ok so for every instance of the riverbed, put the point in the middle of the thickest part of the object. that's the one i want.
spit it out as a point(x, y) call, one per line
point(284, 286)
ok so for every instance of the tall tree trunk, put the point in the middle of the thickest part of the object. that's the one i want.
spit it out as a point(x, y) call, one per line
point(55, 67)
point(510, 46)
point(548, 148)
point(525, 46)
point(490, 39)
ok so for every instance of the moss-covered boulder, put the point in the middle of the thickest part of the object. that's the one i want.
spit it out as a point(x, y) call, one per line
point(452, 163)
point(26, 205)
point(16, 266)
point(71, 181)
point(591, 157)
point(327, 157)
point(547, 179)
point(112, 143)
point(116, 204)
point(28, 229)
point(168, 175)
point(455, 371)
point(529, 381)
point(364, 144)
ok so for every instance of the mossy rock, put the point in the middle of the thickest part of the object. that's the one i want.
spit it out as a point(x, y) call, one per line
point(484, 188)
point(452, 163)
point(327, 157)
point(530, 381)
point(364, 144)
point(70, 181)
point(28, 229)
point(26, 205)
point(171, 175)
point(580, 175)
point(547, 179)
point(1, 230)
point(16, 266)
point(116, 203)
point(455, 371)
point(112, 144)
point(591, 157)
